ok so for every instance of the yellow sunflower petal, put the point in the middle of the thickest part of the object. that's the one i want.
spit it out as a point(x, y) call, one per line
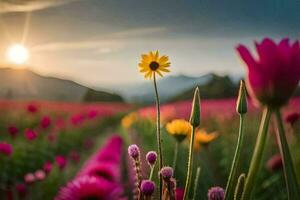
point(156, 55)
point(164, 70)
point(159, 73)
point(163, 59)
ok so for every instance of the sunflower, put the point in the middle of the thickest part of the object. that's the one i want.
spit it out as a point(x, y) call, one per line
point(151, 63)
point(179, 128)
point(204, 138)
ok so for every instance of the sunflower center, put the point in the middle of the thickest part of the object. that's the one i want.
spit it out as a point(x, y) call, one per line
point(154, 65)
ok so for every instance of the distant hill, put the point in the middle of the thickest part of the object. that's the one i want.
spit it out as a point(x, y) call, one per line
point(216, 87)
point(25, 84)
point(168, 87)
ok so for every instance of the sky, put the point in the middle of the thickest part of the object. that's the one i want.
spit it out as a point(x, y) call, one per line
point(98, 43)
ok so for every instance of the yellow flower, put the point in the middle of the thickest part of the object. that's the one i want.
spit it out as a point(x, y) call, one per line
point(152, 63)
point(129, 119)
point(179, 128)
point(204, 138)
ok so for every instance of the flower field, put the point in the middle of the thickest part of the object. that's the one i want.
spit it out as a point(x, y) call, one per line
point(50, 147)
point(215, 149)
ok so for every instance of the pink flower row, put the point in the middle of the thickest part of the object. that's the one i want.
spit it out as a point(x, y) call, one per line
point(100, 176)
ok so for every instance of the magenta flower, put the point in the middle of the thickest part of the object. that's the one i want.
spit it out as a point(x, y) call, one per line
point(61, 161)
point(111, 152)
point(274, 75)
point(47, 167)
point(45, 122)
point(92, 114)
point(292, 118)
point(274, 163)
point(89, 187)
point(30, 134)
point(21, 189)
point(151, 157)
point(32, 108)
point(107, 171)
point(179, 193)
point(6, 148)
point(147, 187)
point(13, 130)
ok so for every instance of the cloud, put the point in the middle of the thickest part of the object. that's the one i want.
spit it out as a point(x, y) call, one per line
point(29, 5)
point(106, 44)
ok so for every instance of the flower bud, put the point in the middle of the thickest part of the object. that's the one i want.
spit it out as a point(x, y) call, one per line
point(216, 193)
point(195, 114)
point(134, 151)
point(166, 173)
point(147, 187)
point(151, 157)
point(241, 104)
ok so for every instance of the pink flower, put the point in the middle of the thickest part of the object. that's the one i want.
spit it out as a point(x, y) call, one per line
point(21, 189)
point(32, 108)
point(292, 118)
point(47, 167)
point(89, 187)
point(92, 114)
point(29, 178)
point(60, 161)
point(179, 193)
point(274, 163)
point(40, 175)
point(45, 122)
point(13, 130)
point(30, 134)
point(6, 148)
point(74, 156)
point(106, 171)
point(274, 75)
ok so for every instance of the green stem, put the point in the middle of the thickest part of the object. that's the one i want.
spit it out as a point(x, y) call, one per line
point(158, 135)
point(288, 167)
point(175, 156)
point(190, 166)
point(151, 173)
point(257, 155)
point(196, 182)
point(233, 176)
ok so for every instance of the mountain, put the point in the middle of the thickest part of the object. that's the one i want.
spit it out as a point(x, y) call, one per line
point(168, 87)
point(25, 84)
point(216, 87)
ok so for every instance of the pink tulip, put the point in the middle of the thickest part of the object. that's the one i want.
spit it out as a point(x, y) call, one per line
point(40, 175)
point(30, 134)
point(274, 75)
point(61, 161)
point(47, 167)
point(32, 108)
point(292, 118)
point(21, 189)
point(6, 148)
point(45, 122)
point(29, 178)
point(13, 130)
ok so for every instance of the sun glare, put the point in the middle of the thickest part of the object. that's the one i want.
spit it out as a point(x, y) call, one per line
point(17, 54)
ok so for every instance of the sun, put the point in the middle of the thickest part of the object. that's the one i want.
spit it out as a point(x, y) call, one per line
point(17, 54)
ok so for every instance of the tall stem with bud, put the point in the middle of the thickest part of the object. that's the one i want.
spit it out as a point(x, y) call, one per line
point(241, 109)
point(195, 122)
